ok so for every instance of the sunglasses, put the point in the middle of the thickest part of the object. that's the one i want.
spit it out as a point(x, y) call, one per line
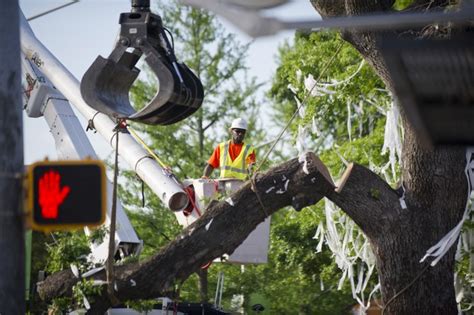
point(239, 130)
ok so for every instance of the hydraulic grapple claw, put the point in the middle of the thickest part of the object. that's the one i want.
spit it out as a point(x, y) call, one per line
point(106, 84)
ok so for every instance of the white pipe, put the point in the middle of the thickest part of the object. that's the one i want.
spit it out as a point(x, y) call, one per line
point(165, 187)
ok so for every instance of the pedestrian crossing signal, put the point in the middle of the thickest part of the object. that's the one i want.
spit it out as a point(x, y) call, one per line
point(65, 195)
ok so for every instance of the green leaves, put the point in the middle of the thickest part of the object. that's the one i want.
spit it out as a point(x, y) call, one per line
point(342, 112)
point(341, 103)
point(400, 5)
point(68, 248)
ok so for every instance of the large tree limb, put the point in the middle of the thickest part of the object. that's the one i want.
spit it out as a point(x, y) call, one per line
point(293, 183)
point(329, 8)
point(363, 196)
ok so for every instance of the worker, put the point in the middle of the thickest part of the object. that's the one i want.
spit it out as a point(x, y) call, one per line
point(234, 157)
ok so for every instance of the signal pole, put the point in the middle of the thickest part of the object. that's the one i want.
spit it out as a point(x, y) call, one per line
point(12, 245)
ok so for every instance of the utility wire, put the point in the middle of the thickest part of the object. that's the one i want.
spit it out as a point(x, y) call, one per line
point(153, 154)
point(301, 105)
point(405, 288)
point(52, 10)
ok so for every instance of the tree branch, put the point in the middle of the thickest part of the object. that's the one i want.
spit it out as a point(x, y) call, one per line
point(293, 183)
point(213, 121)
point(329, 8)
point(363, 196)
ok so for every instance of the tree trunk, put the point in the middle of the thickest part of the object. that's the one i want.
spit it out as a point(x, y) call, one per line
point(435, 192)
point(12, 246)
point(400, 237)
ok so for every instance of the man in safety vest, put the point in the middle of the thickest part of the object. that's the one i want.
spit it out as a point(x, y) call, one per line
point(234, 157)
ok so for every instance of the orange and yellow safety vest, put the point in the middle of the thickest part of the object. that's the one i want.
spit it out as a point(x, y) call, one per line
point(236, 168)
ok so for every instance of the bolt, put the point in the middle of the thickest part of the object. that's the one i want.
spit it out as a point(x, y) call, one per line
point(139, 41)
point(124, 41)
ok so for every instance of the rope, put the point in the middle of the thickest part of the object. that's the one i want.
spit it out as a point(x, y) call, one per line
point(326, 66)
point(137, 137)
point(90, 123)
point(143, 193)
point(162, 164)
point(113, 216)
point(52, 10)
point(191, 199)
point(255, 190)
point(252, 179)
point(405, 288)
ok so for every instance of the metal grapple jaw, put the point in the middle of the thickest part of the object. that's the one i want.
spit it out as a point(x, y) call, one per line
point(106, 84)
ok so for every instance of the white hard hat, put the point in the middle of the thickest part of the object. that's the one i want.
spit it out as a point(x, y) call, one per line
point(239, 123)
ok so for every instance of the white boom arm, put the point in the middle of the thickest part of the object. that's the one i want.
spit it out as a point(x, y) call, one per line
point(164, 186)
point(72, 144)
point(54, 90)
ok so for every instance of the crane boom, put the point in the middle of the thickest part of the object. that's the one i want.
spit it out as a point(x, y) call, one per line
point(166, 187)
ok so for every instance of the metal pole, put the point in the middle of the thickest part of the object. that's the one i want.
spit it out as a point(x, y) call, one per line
point(140, 5)
point(251, 22)
point(392, 21)
point(12, 244)
point(52, 10)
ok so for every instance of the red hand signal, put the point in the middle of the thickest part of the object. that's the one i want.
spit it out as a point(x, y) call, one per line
point(51, 195)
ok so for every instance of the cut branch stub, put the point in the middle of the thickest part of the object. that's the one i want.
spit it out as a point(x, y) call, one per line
point(363, 195)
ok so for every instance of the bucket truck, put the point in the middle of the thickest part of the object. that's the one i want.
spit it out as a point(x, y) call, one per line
point(102, 99)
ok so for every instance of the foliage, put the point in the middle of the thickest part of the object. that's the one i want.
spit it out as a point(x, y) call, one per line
point(141, 306)
point(72, 249)
point(297, 279)
point(343, 116)
point(68, 248)
point(97, 235)
point(341, 111)
point(83, 294)
point(84, 291)
point(465, 266)
point(58, 251)
point(400, 5)
point(60, 305)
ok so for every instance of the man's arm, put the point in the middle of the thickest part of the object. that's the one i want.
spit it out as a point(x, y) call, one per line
point(212, 163)
point(207, 171)
point(251, 162)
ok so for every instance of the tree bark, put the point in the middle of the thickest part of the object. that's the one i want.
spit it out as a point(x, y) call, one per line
point(400, 237)
point(294, 183)
point(203, 285)
point(435, 192)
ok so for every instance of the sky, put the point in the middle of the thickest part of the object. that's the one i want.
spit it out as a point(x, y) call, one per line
point(77, 34)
